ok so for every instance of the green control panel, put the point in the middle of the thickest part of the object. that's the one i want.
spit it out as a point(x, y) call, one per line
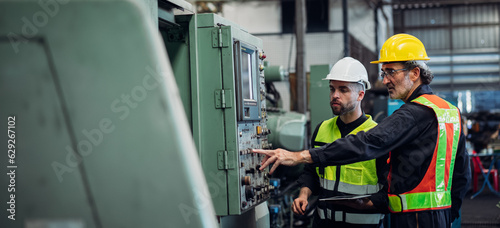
point(219, 69)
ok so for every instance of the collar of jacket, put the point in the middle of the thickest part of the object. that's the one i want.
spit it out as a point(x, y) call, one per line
point(420, 90)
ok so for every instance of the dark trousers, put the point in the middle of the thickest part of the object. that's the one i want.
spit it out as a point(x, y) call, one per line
point(422, 219)
point(326, 223)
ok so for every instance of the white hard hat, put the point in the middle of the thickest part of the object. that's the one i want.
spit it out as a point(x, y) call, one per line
point(349, 70)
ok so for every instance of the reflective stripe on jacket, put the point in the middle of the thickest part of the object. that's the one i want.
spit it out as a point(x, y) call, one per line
point(434, 190)
point(357, 178)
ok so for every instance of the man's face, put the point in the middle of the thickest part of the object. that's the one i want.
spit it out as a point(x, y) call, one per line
point(343, 97)
point(398, 84)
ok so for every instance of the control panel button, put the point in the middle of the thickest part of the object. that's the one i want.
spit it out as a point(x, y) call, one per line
point(262, 55)
point(251, 170)
point(249, 194)
point(259, 130)
point(246, 180)
point(261, 67)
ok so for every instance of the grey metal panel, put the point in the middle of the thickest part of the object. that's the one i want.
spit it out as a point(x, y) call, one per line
point(475, 14)
point(470, 79)
point(464, 59)
point(466, 69)
point(482, 58)
point(426, 17)
point(433, 39)
point(473, 26)
point(475, 37)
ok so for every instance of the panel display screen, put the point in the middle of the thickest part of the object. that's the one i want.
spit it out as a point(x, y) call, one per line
point(247, 80)
point(246, 75)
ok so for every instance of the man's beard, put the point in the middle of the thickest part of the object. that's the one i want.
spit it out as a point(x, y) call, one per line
point(343, 109)
point(397, 94)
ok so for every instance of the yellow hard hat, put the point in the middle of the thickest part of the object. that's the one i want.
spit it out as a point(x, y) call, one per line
point(402, 47)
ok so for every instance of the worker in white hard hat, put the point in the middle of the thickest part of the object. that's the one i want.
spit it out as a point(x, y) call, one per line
point(348, 82)
point(429, 167)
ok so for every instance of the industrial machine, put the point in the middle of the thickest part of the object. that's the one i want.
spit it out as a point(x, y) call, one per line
point(289, 132)
point(93, 131)
point(319, 95)
point(219, 70)
point(289, 128)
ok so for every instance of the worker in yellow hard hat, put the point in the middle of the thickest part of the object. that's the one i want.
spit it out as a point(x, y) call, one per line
point(407, 52)
point(429, 167)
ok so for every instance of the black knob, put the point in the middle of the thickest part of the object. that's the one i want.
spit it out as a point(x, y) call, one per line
point(249, 195)
point(251, 170)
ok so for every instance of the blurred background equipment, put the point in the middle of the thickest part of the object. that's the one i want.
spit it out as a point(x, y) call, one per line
point(288, 131)
point(319, 95)
point(288, 128)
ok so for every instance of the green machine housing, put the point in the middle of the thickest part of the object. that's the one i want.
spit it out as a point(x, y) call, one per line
point(219, 67)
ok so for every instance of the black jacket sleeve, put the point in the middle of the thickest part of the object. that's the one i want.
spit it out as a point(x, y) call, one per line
point(380, 199)
point(394, 131)
point(461, 178)
point(310, 179)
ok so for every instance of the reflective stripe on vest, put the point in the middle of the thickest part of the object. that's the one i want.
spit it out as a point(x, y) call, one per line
point(350, 188)
point(353, 218)
point(433, 192)
point(356, 178)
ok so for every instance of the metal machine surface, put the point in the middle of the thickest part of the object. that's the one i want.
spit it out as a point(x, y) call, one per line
point(219, 69)
point(101, 139)
point(289, 128)
point(319, 95)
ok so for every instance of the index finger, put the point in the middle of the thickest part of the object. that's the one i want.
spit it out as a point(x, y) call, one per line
point(260, 151)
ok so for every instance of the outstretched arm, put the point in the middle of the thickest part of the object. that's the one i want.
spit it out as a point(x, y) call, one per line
point(396, 130)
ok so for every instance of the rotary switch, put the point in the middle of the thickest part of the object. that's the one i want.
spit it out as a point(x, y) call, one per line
point(249, 195)
point(246, 180)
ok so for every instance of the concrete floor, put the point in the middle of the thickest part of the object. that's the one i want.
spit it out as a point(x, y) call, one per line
point(482, 211)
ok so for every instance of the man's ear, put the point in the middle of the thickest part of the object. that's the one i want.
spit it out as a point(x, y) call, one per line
point(415, 74)
point(361, 95)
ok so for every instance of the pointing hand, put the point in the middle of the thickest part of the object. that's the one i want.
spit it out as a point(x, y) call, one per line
point(283, 157)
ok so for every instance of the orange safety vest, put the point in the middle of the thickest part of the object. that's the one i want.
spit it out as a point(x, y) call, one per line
point(434, 191)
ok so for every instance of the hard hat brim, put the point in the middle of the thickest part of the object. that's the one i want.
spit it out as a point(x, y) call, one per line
point(402, 60)
point(367, 86)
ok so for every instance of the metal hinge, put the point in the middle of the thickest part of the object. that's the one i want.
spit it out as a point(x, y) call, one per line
point(220, 37)
point(226, 159)
point(223, 98)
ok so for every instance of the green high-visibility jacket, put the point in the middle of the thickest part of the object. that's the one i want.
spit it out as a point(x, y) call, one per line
point(357, 178)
